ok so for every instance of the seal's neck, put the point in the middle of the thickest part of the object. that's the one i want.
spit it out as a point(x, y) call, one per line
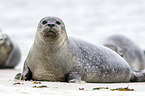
point(54, 44)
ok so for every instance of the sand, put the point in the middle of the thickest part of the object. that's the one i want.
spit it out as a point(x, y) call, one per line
point(9, 86)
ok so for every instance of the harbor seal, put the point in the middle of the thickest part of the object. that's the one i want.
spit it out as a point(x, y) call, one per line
point(56, 57)
point(128, 49)
point(9, 52)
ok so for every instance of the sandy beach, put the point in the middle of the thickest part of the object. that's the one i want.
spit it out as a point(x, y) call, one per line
point(9, 86)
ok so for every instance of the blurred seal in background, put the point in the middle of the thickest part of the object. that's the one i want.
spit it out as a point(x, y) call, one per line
point(9, 52)
point(128, 49)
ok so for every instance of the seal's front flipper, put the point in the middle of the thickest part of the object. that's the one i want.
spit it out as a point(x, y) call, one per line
point(138, 76)
point(19, 76)
point(74, 77)
point(26, 75)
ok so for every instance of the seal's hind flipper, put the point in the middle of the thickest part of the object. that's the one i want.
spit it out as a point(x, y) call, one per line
point(26, 75)
point(138, 76)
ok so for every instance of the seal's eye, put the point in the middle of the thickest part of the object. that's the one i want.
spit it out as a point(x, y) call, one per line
point(44, 22)
point(57, 22)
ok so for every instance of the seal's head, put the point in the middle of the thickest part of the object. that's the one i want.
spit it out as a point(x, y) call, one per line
point(5, 43)
point(50, 28)
point(5, 47)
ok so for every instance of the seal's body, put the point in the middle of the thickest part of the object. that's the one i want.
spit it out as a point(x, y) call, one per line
point(56, 57)
point(128, 49)
point(9, 52)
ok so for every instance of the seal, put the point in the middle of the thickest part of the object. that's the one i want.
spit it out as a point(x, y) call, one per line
point(56, 57)
point(128, 49)
point(9, 52)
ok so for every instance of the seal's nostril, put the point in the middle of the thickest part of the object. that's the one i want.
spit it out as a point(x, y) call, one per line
point(50, 25)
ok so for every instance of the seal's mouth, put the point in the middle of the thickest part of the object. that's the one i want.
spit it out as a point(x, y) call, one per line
point(50, 31)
